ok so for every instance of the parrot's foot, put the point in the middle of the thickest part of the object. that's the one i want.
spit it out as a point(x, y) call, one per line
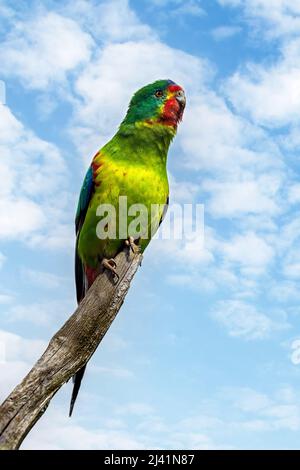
point(111, 265)
point(133, 246)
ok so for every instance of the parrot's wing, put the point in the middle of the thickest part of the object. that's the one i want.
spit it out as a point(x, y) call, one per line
point(83, 204)
point(81, 284)
point(84, 199)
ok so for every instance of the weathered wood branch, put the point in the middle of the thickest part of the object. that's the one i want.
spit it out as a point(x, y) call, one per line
point(69, 349)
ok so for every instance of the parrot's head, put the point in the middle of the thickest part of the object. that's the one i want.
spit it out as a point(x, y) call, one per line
point(161, 102)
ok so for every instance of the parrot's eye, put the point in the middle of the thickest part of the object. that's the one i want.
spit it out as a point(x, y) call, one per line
point(159, 93)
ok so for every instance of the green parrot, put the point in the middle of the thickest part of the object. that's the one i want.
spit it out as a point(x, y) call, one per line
point(131, 164)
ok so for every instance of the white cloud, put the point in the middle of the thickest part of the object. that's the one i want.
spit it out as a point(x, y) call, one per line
point(209, 276)
point(55, 431)
point(2, 259)
point(181, 7)
point(6, 11)
point(188, 7)
point(284, 290)
point(291, 262)
point(294, 193)
point(59, 432)
point(46, 104)
point(43, 313)
point(42, 50)
point(210, 141)
point(269, 93)
point(192, 252)
point(263, 412)
point(289, 234)
point(235, 262)
point(250, 251)
point(224, 32)
point(5, 298)
point(292, 269)
point(117, 22)
point(109, 21)
point(250, 400)
point(146, 431)
point(19, 218)
point(237, 198)
point(58, 235)
point(182, 191)
point(241, 408)
point(32, 171)
point(287, 242)
point(192, 281)
point(18, 355)
point(38, 314)
point(215, 139)
point(17, 347)
point(42, 279)
point(274, 18)
point(244, 320)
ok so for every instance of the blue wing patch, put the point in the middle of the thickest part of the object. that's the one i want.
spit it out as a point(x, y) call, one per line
point(84, 198)
point(83, 204)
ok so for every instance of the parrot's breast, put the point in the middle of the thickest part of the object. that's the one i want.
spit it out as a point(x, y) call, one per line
point(126, 187)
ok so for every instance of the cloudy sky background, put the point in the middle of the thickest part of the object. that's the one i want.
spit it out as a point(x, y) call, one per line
point(204, 352)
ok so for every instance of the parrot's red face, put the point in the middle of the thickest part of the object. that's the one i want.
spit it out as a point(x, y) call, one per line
point(173, 107)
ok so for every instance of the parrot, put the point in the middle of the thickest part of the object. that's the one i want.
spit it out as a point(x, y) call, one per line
point(132, 164)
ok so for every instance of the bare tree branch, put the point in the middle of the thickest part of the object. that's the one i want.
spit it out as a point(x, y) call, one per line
point(69, 349)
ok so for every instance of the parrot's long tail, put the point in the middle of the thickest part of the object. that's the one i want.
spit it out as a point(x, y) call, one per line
point(77, 378)
point(82, 285)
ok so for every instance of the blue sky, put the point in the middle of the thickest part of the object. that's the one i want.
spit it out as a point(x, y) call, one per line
point(204, 352)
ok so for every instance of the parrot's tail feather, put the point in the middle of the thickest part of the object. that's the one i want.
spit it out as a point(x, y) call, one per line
point(81, 289)
point(84, 279)
point(79, 277)
point(77, 378)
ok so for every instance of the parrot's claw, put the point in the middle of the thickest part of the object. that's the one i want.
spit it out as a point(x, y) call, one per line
point(133, 246)
point(111, 265)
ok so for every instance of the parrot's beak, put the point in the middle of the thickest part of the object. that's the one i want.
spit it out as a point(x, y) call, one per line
point(180, 97)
